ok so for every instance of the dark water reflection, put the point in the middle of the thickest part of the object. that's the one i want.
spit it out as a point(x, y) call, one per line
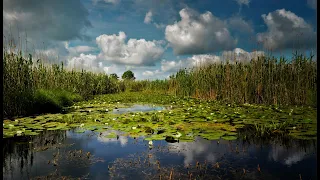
point(127, 158)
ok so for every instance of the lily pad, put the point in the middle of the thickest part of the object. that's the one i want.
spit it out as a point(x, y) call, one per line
point(229, 138)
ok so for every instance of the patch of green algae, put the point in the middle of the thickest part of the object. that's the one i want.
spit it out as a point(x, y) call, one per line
point(183, 118)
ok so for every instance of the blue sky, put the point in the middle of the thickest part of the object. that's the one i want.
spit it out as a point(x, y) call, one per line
point(154, 38)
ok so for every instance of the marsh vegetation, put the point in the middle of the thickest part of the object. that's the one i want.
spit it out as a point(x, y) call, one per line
point(261, 101)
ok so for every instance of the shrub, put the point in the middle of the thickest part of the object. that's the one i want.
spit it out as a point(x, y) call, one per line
point(52, 101)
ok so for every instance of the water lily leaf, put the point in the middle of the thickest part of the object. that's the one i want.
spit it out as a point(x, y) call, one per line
point(229, 138)
point(80, 131)
point(155, 137)
point(31, 133)
point(111, 135)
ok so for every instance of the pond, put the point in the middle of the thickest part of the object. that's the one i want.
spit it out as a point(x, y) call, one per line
point(122, 136)
point(92, 155)
point(138, 108)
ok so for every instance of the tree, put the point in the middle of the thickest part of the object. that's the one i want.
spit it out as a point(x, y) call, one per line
point(128, 75)
point(114, 76)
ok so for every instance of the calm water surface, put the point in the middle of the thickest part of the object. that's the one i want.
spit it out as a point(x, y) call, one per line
point(138, 108)
point(64, 154)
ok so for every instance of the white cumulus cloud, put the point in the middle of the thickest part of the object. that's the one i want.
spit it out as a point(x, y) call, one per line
point(203, 59)
point(286, 30)
point(159, 25)
point(135, 52)
point(112, 1)
point(198, 33)
point(148, 17)
point(194, 61)
point(151, 73)
point(78, 49)
point(241, 55)
point(86, 62)
point(239, 24)
point(148, 73)
point(171, 66)
point(243, 2)
point(106, 1)
point(237, 54)
point(44, 21)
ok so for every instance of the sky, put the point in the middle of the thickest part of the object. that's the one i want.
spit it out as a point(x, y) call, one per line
point(155, 38)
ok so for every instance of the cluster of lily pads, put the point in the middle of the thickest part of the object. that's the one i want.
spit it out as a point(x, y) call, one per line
point(182, 119)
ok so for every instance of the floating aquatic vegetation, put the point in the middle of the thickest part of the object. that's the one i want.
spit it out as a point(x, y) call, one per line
point(229, 138)
point(190, 117)
point(111, 135)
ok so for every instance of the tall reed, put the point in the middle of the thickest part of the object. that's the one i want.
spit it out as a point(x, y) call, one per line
point(265, 80)
point(22, 77)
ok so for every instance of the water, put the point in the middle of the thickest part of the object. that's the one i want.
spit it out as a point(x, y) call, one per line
point(128, 158)
point(138, 108)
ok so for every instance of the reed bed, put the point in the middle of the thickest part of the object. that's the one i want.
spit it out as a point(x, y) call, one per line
point(24, 78)
point(155, 86)
point(265, 80)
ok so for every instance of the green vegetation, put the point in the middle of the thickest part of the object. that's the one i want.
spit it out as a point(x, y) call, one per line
point(128, 75)
point(265, 80)
point(27, 83)
point(114, 76)
point(214, 101)
point(53, 101)
point(183, 119)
